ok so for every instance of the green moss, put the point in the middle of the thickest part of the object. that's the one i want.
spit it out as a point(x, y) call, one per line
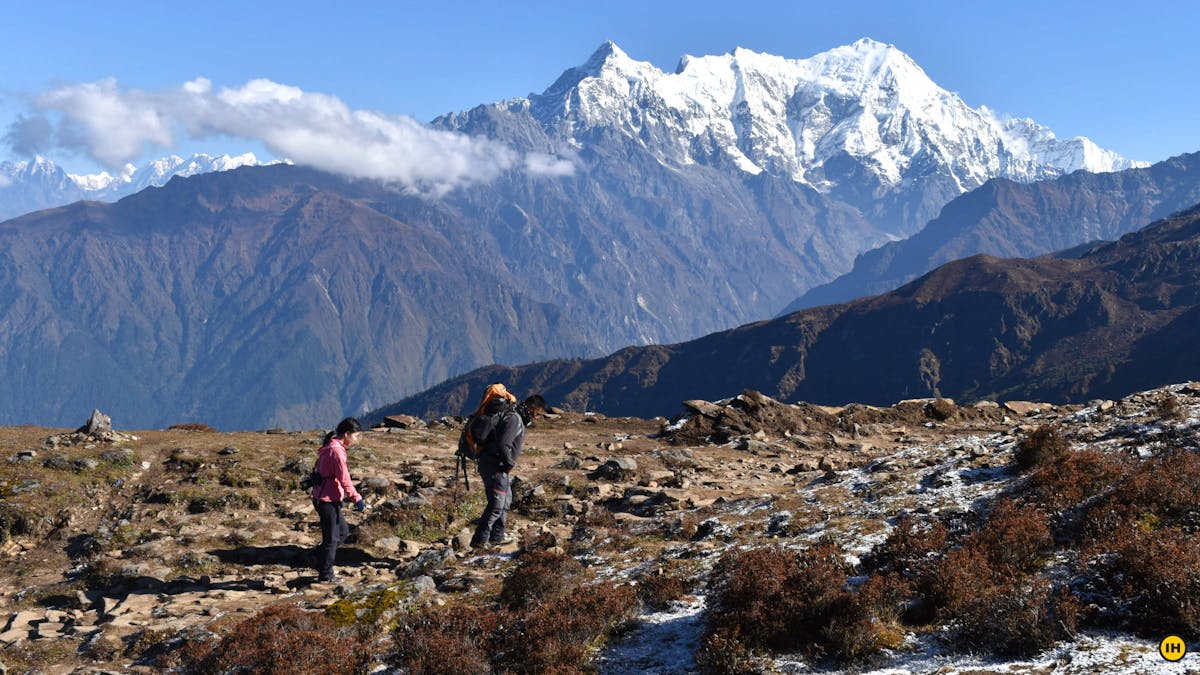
point(368, 607)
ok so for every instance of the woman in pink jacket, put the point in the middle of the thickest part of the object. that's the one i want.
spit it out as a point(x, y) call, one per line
point(335, 487)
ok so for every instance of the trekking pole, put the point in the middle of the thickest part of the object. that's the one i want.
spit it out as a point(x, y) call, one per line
point(462, 462)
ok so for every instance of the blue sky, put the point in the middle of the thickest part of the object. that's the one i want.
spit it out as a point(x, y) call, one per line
point(1120, 73)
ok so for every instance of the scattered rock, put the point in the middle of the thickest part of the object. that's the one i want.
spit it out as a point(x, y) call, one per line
point(228, 450)
point(425, 562)
point(570, 462)
point(620, 469)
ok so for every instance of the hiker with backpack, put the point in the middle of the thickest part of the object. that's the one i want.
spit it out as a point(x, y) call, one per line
point(494, 436)
point(331, 489)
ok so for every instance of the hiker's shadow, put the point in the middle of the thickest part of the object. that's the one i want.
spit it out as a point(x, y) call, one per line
point(291, 555)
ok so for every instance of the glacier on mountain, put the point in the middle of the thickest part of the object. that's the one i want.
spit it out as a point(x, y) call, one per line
point(864, 113)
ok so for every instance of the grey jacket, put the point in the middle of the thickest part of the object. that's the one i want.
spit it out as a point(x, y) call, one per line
point(504, 446)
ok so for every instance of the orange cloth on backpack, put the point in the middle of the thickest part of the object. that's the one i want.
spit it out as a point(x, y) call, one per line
point(493, 391)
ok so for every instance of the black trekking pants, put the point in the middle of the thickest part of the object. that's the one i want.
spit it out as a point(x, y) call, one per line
point(499, 498)
point(334, 530)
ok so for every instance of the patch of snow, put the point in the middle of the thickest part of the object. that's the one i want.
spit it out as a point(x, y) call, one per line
point(660, 643)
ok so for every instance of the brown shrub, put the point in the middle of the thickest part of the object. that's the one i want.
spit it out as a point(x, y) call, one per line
point(559, 634)
point(910, 547)
point(1160, 493)
point(1168, 408)
point(1017, 619)
point(1003, 551)
point(657, 591)
point(278, 640)
point(448, 640)
point(1042, 445)
point(724, 653)
point(1161, 570)
point(1013, 539)
point(777, 599)
point(869, 621)
point(539, 575)
point(955, 580)
point(1074, 478)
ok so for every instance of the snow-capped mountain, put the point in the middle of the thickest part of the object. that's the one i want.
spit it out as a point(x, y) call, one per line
point(862, 122)
point(103, 186)
point(40, 183)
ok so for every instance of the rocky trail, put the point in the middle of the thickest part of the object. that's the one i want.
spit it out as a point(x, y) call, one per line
point(117, 547)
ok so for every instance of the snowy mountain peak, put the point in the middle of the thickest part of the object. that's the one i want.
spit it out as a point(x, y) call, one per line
point(131, 179)
point(39, 183)
point(862, 118)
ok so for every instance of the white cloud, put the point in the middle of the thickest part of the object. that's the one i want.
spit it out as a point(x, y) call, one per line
point(4, 181)
point(117, 126)
point(548, 165)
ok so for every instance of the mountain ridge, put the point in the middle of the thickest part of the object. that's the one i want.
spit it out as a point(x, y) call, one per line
point(40, 183)
point(1047, 328)
point(1009, 219)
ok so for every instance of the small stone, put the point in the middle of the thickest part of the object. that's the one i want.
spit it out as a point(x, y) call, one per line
point(228, 450)
point(1023, 408)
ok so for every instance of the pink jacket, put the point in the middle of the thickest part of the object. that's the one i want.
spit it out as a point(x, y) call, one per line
point(335, 484)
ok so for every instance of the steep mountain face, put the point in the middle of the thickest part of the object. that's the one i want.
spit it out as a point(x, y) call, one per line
point(647, 254)
point(268, 296)
point(1118, 318)
point(1008, 219)
point(862, 124)
point(41, 184)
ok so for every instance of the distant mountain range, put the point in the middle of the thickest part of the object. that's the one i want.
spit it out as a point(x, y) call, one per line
point(700, 200)
point(862, 124)
point(1119, 318)
point(1008, 219)
point(41, 184)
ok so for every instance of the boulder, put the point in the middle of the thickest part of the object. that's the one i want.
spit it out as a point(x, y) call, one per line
point(622, 468)
point(1024, 408)
point(97, 425)
point(403, 422)
point(703, 408)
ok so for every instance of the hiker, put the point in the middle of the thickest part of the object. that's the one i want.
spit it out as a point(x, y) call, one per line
point(500, 449)
point(335, 487)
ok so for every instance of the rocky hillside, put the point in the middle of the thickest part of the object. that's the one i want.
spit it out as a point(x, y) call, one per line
point(1111, 321)
point(188, 545)
point(281, 295)
point(1016, 220)
point(248, 298)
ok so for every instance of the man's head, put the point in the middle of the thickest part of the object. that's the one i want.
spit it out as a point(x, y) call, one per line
point(531, 409)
